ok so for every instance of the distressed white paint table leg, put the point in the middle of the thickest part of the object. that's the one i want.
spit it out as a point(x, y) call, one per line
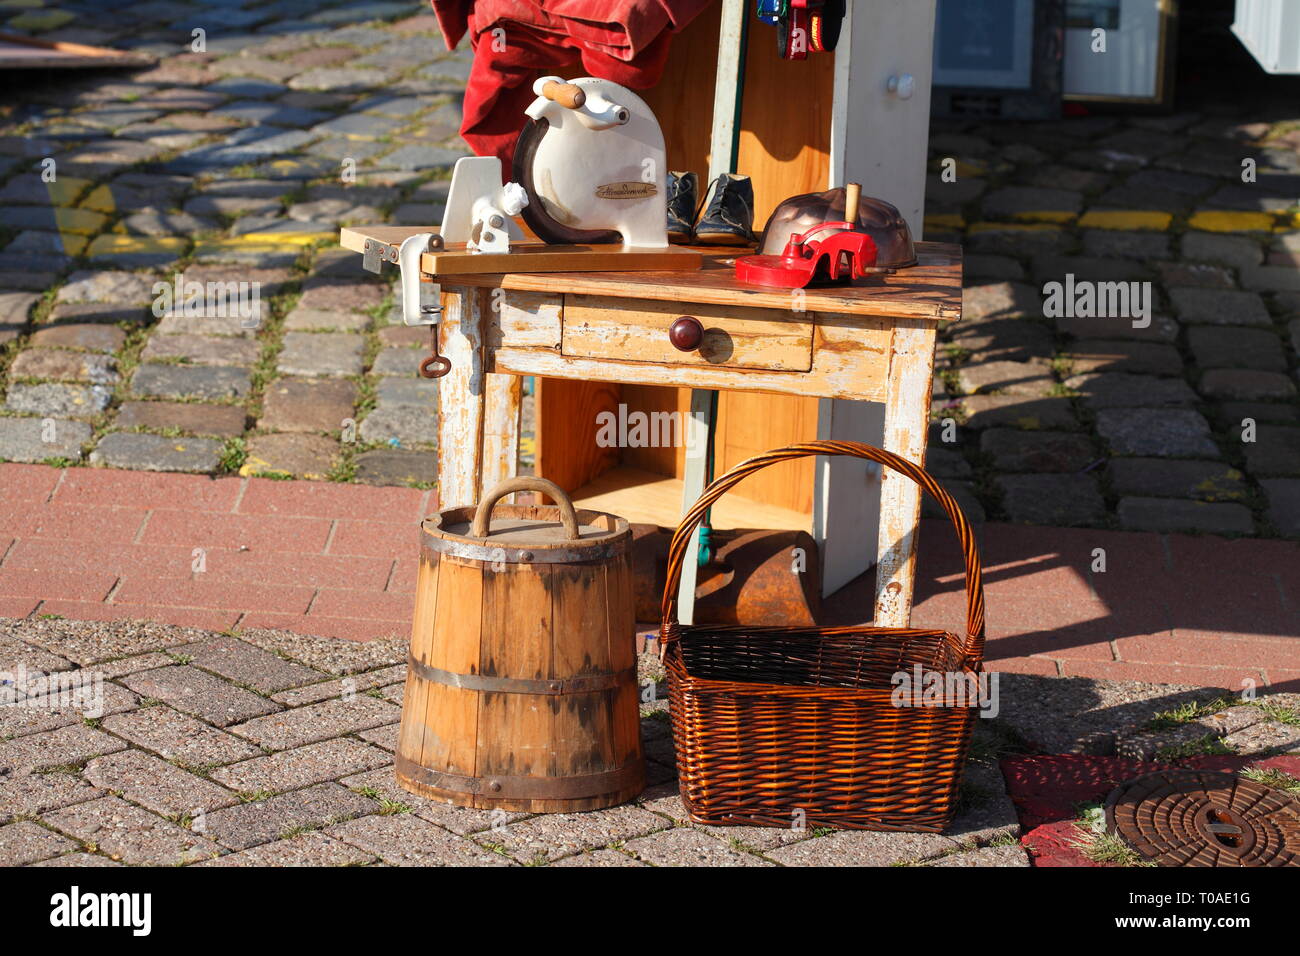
point(907, 421)
point(478, 412)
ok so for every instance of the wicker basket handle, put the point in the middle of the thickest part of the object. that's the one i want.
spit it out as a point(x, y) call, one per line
point(974, 648)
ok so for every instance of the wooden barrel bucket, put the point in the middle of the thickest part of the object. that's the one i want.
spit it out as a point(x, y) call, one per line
point(521, 692)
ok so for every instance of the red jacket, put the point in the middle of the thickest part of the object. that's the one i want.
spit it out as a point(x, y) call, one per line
point(516, 41)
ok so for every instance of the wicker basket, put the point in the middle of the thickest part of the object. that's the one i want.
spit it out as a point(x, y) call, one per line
point(777, 725)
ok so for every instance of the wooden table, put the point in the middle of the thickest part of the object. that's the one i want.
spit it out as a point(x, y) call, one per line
point(873, 342)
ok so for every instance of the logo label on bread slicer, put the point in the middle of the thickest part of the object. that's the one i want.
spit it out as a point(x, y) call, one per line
point(628, 190)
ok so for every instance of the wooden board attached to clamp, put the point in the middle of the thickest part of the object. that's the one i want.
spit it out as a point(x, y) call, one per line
point(527, 255)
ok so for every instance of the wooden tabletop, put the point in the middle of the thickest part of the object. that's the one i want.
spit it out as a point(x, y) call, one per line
point(929, 290)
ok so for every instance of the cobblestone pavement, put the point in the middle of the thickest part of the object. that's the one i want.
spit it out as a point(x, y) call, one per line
point(1187, 423)
point(237, 164)
point(271, 748)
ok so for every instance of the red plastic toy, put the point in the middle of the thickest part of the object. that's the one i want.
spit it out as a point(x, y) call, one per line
point(843, 255)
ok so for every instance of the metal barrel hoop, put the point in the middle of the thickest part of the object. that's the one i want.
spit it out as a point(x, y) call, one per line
point(670, 630)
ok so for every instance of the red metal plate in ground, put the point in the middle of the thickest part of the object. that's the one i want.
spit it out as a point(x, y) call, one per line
point(1200, 818)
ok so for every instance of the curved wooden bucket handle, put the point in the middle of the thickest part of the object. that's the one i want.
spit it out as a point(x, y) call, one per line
point(482, 527)
point(974, 647)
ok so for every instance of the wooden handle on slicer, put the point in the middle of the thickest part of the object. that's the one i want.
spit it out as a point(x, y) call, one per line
point(568, 95)
point(852, 196)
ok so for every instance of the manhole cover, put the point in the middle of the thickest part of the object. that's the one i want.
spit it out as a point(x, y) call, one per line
point(1199, 818)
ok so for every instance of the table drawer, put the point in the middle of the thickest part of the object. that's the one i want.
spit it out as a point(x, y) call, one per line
point(631, 330)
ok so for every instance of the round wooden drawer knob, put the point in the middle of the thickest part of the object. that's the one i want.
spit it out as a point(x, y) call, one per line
point(686, 334)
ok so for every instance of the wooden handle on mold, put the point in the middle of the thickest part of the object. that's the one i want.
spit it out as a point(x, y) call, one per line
point(852, 197)
point(568, 95)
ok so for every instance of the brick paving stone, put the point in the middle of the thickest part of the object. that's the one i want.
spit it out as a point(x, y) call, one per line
point(108, 286)
point(1123, 390)
point(992, 267)
point(1177, 478)
point(1161, 329)
point(1245, 385)
point(686, 846)
point(26, 842)
point(401, 840)
point(305, 849)
point(58, 400)
point(153, 223)
point(423, 157)
point(1283, 496)
point(598, 858)
point(1217, 347)
point(1000, 300)
point(202, 349)
point(1062, 500)
point(1015, 340)
point(35, 793)
point(79, 335)
point(321, 320)
point(1164, 432)
point(325, 654)
point(1235, 251)
point(1196, 274)
point(1037, 451)
point(986, 856)
point(1271, 278)
point(326, 353)
point(73, 744)
point(105, 641)
point(14, 652)
point(397, 361)
point(43, 712)
point(222, 421)
point(129, 665)
point(263, 821)
point(1274, 453)
point(1173, 514)
point(396, 467)
point(986, 411)
point(78, 860)
point(1265, 737)
point(157, 453)
point(405, 424)
point(302, 766)
point(1088, 355)
point(325, 690)
point(415, 392)
point(130, 834)
point(316, 722)
point(25, 439)
point(303, 456)
point(561, 834)
point(1125, 245)
point(339, 79)
point(1219, 307)
point(247, 665)
point(385, 737)
point(64, 366)
point(1011, 378)
point(157, 785)
point(308, 405)
point(864, 848)
point(195, 692)
point(179, 737)
point(1054, 268)
point(230, 325)
point(182, 381)
point(1023, 202)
